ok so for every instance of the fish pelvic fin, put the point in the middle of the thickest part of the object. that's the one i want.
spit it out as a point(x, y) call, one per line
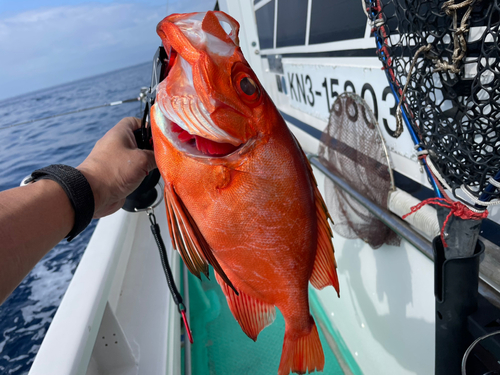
point(302, 354)
point(188, 240)
point(252, 314)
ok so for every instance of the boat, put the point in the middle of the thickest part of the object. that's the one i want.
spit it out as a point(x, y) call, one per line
point(117, 316)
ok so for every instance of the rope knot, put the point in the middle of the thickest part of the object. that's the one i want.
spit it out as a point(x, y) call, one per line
point(462, 30)
point(460, 210)
point(457, 209)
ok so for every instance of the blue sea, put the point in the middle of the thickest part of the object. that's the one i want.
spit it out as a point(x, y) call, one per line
point(28, 312)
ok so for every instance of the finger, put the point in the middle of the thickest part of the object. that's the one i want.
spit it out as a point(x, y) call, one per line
point(151, 161)
point(132, 123)
point(126, 127)
point(136, 122)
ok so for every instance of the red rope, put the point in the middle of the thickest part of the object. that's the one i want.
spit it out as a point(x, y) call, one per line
point(188, 330)
point(457, 209)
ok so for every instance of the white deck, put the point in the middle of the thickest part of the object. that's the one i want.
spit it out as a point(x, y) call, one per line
point(121, 284)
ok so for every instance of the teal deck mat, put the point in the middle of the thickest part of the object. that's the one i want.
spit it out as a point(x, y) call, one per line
point(220, 346)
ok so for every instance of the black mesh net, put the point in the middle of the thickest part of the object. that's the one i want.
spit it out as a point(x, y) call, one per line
point(453, 95)
point(352, 148)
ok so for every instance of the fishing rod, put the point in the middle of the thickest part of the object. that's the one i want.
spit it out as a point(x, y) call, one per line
point(139, 98)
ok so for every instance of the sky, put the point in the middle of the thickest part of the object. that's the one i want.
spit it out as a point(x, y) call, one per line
point(44, 43)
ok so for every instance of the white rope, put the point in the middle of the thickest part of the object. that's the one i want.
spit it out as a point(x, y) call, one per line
point(377, 23)
point(363, 5)
point(494, 182)
point(469, 195)
point(476, 200)
point(425, 219)
point(436, 174)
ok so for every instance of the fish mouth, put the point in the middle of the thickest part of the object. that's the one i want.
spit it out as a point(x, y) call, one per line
point(188, 124)
point(188, 116)
point(196, 145)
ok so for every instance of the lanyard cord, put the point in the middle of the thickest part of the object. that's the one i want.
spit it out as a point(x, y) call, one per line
point(176, 296)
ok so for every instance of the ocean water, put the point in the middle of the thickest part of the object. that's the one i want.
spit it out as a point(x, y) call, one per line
point(28, 312)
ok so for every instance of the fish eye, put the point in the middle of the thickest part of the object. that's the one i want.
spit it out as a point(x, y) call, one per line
point(248, 86)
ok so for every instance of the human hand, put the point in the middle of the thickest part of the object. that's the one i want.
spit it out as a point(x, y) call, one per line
point(116, 167)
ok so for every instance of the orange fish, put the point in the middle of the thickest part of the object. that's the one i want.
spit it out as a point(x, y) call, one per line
point(239, 191)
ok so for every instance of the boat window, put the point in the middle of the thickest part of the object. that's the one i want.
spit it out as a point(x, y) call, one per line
point(336, 20)
point(265, 25)
point(292, 21)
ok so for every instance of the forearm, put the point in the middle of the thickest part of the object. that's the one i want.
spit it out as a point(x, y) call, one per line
point(33, 219)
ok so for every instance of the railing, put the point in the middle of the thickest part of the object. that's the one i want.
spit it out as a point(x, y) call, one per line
point(389, 219)
point(489, 291)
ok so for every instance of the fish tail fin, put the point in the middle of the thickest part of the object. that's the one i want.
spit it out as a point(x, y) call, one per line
point(302, 354)
point(252, 314)
point(325, 267)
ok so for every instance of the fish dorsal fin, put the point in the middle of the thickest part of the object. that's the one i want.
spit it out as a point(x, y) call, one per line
point(325, 267)
point(252, 314)
point(188, 240)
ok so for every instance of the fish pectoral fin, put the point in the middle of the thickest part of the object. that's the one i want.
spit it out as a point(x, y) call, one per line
point(184, 238)
point(252, 314)
point(188, 240)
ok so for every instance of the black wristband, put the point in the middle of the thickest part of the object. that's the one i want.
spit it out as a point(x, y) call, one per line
point(76, 187)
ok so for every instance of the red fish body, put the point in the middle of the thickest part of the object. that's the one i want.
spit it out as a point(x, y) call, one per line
point(239, 191)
